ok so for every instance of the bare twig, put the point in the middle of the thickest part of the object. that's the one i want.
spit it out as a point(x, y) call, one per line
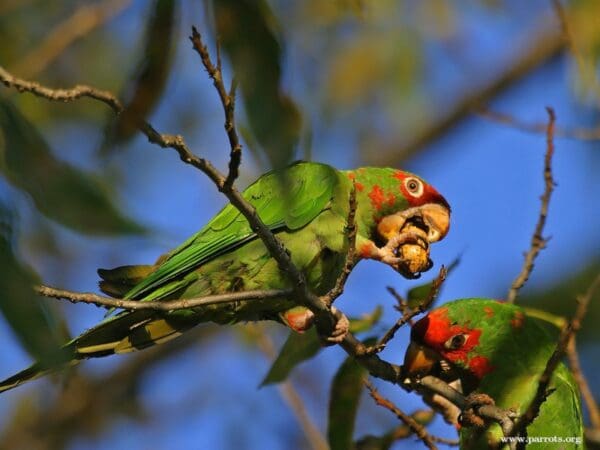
point(84, 20)
point(170, 305)
point(418, 429)
point(565, 337)
point(338, 288)
point(408, 314)
point(538, 242)
point(227, 100)
point(584, 387)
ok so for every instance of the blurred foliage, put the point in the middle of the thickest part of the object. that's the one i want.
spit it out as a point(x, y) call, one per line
point(346, 390)
point(33, 322)
point(59, 191)
point(148, 83)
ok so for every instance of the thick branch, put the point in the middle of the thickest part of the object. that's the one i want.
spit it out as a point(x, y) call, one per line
point(538, 242)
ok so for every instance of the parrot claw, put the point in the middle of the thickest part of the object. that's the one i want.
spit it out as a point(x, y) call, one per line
point(342, 327)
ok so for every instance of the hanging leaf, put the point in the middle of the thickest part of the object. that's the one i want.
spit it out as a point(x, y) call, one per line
point(35, 324)
point(297, 348)
point(245, 29)
point(59, 191)
point(147, 84)
point(300, 347)
point(346, 390)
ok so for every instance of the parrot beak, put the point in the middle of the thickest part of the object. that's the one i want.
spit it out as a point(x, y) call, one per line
point(437, 219)
point(419, 360)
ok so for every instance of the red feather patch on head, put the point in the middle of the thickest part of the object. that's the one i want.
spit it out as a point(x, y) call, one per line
point(429, 194)
point(435, 330)
point(377, 197)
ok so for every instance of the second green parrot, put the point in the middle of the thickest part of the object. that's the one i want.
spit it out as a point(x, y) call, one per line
point(501, 350)
point(306, 206)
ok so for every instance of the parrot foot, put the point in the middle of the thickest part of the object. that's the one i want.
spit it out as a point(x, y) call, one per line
point(342, 327)
point(469, 417)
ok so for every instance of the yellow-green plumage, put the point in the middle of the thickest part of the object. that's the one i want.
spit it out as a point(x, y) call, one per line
point(306, 206)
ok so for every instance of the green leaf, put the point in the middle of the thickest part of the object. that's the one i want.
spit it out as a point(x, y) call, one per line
point(36, 325)
point(297, 348)
point(346, 390)
point(147, 84)
point(59, 191)
point(300, 347)
point(366, 322)
point(245, 30)
point(421, 293)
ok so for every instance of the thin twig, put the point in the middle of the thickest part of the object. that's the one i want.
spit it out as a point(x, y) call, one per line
point(418, 429)
point(83, 21)
point(227, 100)
point(565, 337)
point(584, 387)
point(170, 305)
point(338, 288)
point(409, 313)
point(538, 242)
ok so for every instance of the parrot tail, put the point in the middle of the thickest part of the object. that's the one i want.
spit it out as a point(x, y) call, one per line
point(123, 333)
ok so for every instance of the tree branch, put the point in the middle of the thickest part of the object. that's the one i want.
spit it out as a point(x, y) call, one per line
point(170, 305)
point(538, 242)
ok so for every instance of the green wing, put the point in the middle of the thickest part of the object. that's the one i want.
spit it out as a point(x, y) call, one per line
point(286, 200)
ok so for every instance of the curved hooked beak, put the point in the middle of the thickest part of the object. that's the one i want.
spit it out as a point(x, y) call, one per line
point(418, 360)
point(437, 219)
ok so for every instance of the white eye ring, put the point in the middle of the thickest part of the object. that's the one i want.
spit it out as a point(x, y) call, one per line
point(457, 341)
point(414, 186)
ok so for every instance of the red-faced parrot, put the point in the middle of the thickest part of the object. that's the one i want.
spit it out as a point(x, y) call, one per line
point(306, 206)
point(501, 350)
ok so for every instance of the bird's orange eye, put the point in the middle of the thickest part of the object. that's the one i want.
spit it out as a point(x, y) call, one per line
point(456, 342)
point(414, 186)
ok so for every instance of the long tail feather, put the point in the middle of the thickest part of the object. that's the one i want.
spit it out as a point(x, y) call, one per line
point(123, 333)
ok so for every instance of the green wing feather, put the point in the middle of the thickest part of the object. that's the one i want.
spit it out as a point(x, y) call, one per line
point(285, 200)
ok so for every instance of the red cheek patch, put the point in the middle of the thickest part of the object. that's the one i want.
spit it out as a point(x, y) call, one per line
point(377, 197)
point(480, 366)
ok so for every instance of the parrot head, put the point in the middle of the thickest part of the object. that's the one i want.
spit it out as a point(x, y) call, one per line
point(462, 337)
point(407, 214)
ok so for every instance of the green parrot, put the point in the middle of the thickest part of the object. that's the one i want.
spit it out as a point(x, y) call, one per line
point(306, 206)
point(501, 350)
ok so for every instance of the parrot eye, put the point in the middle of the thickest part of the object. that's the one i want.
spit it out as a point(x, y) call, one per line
point(414, 186)
point(456, 342)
